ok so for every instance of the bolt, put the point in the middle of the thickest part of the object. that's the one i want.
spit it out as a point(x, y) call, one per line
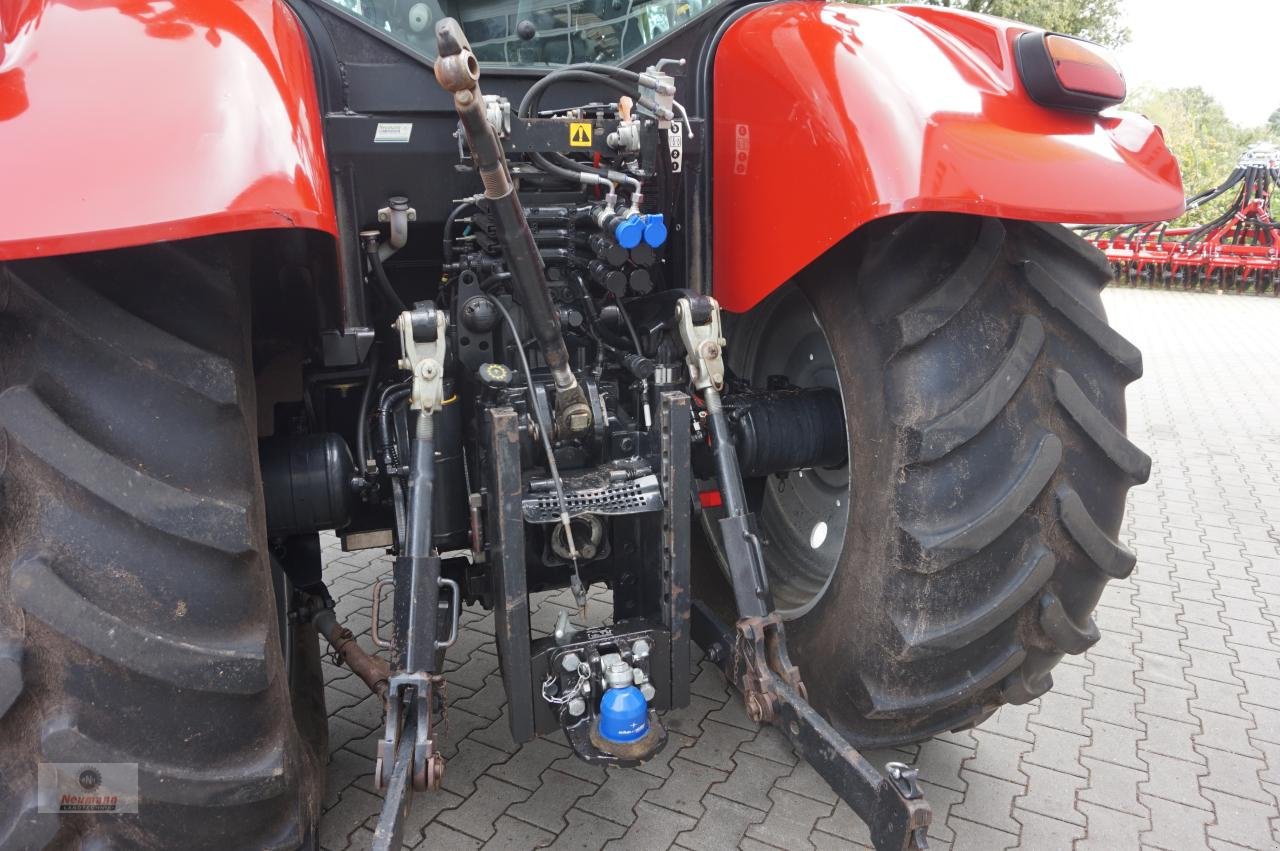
point(570, 663)
point(640, 649)
point(578, 419)
point(625, 444)
point(715, 652)
point(577, 707)
point(647, 691)
point(754, 710)
point(588, 551)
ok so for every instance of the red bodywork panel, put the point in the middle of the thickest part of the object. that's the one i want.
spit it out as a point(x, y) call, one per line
point(123, 123)
point(830, 115)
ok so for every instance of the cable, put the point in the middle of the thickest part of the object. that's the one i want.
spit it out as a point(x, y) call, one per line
point(362, 423)
point(544, 431)
point(631, 329)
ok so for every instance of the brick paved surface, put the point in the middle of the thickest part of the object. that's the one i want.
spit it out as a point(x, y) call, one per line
point(1166, 734)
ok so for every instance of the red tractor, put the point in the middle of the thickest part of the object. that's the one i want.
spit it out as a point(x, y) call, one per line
point(747, 312)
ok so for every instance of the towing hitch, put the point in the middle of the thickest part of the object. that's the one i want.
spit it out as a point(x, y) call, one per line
point(753, 655)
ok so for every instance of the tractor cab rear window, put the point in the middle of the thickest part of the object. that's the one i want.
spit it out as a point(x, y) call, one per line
point(531, 33)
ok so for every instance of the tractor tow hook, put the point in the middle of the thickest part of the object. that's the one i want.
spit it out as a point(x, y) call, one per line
point(753, 654)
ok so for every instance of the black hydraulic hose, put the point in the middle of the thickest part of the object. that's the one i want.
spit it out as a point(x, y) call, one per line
point(601, 68)
point(593, 323)
point(447, 248)
point(362, 423)
point(529, 103)
point(631, 329)
point(392, 398)
point(1209, 194)
point(380, 276)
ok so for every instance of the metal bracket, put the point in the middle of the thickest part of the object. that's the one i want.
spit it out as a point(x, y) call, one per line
point(760, 661)
point(703, 344)
point(892, 806)
point(410, 695)
point(497, 111)
point(384, 214)
point(424, 359)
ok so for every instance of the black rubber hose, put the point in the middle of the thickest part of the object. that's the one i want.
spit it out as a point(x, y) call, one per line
point(388, 404)
point(384, 283)
point(529, 103)
point(631, 329)
point(563, 172)
point(447, 248)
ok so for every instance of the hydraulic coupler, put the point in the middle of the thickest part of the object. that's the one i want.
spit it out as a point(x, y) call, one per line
point(753, 655)
point(458, 71)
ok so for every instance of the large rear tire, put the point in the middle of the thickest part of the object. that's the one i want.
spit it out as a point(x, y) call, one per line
point(960, 554)
point(138, 619)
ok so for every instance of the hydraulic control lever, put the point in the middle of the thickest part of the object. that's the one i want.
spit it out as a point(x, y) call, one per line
point(753, 655)
point(457, 71)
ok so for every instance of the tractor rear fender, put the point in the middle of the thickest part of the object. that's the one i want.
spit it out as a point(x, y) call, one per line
point(129, 123)
point(827, 116)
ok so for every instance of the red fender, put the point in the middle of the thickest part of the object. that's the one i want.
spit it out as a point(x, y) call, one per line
point(827, 116)
point(123, 123)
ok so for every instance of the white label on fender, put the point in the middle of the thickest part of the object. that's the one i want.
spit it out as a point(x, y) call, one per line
point(393, 132)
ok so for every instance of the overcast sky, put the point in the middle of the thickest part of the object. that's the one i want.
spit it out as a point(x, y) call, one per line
point(1227, 47)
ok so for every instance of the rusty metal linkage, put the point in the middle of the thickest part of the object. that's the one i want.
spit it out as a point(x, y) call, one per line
point(373, 671)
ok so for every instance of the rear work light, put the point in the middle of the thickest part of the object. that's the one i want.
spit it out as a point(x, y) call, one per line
point(1068, 73)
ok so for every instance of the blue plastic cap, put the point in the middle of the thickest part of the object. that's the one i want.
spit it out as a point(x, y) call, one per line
point(655, 230)
point(630, 231)
point(624, 715)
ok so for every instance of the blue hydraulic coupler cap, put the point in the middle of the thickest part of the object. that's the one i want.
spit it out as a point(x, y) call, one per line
point(629, 231)
point(624, 715)
point(655, 230)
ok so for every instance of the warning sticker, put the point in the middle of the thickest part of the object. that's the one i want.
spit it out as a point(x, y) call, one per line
point(580, 134)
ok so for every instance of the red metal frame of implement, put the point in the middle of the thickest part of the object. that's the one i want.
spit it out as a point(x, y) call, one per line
point(1237, 250)
point(124, 124)
point(869, 111)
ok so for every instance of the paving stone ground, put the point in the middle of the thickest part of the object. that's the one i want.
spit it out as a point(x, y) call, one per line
point(1166, 734)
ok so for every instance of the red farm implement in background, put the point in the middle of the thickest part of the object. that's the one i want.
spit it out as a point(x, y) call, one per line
point(1237, 251)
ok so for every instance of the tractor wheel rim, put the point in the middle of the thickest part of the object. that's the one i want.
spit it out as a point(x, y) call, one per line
point(803, 515)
